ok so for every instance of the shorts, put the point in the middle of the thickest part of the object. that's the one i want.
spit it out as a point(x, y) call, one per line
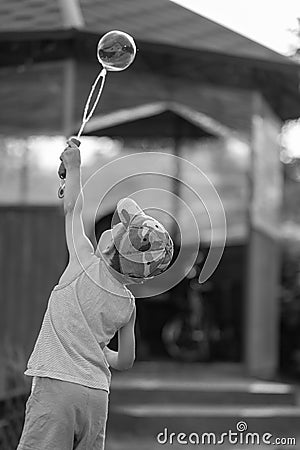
point(64, 416)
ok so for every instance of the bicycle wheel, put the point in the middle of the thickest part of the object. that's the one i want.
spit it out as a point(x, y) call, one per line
point(185, 343)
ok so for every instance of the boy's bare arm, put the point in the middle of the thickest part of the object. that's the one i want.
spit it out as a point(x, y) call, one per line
point(124, 358)
point(79, 246)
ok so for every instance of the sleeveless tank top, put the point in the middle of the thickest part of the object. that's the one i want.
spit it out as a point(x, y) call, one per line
point(81, 317)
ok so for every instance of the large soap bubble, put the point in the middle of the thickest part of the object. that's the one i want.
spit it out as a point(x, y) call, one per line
point(116, 50)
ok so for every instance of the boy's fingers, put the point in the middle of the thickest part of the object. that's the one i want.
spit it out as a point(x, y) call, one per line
point(64, 153)
point(71, 144)
point(68, 149)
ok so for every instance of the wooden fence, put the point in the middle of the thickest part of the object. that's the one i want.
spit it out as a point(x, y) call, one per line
point(32, 257)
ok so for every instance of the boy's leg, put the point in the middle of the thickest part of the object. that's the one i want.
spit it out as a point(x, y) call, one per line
point(92, 436)
point(50, 416)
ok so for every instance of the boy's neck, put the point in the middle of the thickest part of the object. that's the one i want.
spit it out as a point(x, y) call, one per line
point(117, 276)
point(122, 278)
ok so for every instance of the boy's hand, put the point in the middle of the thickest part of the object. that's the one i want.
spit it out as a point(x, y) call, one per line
point(71, 156)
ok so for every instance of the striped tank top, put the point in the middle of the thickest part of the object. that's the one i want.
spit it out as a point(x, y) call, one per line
point(81, 317)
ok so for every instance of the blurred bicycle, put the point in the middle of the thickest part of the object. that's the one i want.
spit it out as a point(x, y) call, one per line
point(191, 334)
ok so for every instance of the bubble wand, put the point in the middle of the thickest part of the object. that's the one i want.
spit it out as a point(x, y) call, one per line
point(116, 50)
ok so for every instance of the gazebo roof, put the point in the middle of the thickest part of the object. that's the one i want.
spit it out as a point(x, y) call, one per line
point(159, 22)
point(184, 57)
point(160, 119)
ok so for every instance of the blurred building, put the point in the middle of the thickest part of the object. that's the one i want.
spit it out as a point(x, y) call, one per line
point(234, 90)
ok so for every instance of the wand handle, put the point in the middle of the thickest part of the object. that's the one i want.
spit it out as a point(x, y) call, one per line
point(62, 170)
point(86, 117)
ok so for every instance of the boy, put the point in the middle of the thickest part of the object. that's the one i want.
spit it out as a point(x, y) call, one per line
point(67, 408)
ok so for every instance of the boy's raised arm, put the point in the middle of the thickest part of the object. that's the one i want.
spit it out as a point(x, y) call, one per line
point(79, 246)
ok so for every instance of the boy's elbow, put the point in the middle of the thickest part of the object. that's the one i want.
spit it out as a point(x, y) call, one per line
point(126, 365)
point(129, 365)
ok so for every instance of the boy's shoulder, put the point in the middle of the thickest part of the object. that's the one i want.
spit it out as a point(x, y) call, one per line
point(74, 268)
point(132, 297)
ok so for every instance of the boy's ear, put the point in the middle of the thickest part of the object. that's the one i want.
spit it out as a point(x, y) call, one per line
point(105, 243)
point(110, 238)
point(127, 210)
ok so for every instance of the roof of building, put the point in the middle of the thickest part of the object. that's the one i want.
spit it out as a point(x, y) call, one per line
point(157, 119)
point(152, 21)
point(183, 57)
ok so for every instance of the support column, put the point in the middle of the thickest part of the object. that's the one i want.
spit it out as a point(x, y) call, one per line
point(263, 261)
point(69, 97)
